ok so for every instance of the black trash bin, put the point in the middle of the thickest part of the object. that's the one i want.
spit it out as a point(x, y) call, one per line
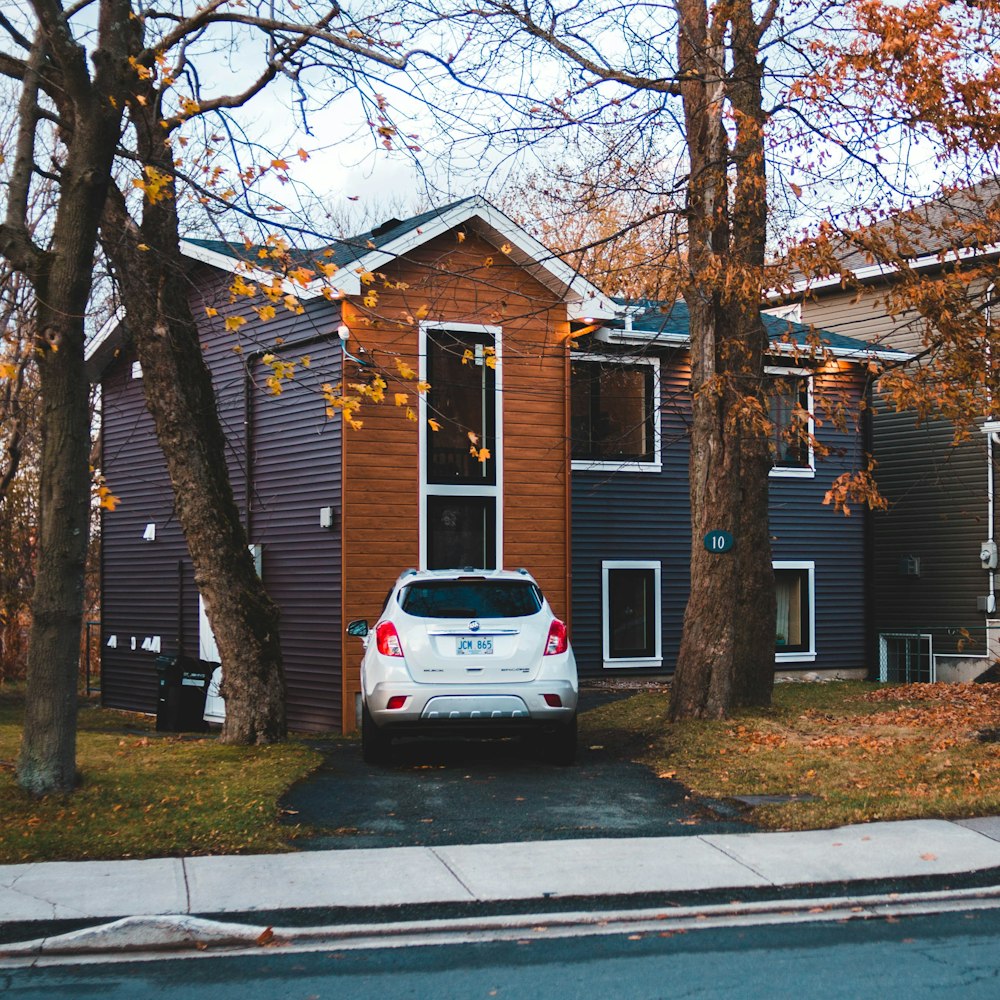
point(182, 686)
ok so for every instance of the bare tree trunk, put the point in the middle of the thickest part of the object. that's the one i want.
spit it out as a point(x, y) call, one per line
point(47, 760)
point(726, 656)
point(181, 399)
point(90, 121)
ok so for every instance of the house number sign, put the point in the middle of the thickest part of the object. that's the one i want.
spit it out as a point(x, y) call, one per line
point(718, 541)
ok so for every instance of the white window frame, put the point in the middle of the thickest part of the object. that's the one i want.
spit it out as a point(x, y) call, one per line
point(495, 489)
point(806, 655)
point(656, 465)
point(805, 471)
point(617, 663)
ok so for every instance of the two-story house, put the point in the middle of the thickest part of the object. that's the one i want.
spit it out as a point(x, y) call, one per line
point(552, 436)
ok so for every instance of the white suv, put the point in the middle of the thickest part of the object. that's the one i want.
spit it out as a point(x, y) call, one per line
point(467, 652)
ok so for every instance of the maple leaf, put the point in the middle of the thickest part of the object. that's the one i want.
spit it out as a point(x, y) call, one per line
point(433, 424)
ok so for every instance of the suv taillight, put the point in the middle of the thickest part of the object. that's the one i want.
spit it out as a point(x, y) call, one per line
point(556, 642)
point(387, 639)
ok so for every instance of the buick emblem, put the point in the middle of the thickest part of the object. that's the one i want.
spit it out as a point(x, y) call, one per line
point(473, 625)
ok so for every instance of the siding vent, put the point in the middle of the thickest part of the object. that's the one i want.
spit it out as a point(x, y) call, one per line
point(327, 517)
point(909, 566)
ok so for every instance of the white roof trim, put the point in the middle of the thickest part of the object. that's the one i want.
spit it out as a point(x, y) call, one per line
point(610, 336)
point(584, 300)
point(869, 271)
point(344, 280)
point(107, 329)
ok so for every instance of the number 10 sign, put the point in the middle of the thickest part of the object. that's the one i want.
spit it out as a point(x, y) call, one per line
point(718, 541)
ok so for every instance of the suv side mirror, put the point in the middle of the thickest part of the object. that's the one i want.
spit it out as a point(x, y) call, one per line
point(359, 628)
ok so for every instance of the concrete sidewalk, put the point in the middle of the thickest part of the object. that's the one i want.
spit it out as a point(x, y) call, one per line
point(494, 873)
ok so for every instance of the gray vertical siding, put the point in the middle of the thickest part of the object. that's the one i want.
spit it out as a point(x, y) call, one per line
point(292, 466)
point(646, 516)
point(936, 491)
point(938, 512)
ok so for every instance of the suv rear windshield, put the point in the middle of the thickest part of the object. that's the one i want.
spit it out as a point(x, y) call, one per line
point(471, 599)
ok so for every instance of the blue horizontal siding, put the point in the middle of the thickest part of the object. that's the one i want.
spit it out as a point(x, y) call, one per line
point(632, 515)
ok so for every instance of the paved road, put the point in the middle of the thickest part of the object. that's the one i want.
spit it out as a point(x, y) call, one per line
point(466, 792)
point(942, 957)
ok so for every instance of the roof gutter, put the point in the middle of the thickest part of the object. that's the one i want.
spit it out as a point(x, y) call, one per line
point(870, 272)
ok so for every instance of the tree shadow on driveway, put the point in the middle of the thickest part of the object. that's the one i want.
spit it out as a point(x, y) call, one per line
point(437, 792)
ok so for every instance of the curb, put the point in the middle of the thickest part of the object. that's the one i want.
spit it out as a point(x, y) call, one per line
point(146, 938)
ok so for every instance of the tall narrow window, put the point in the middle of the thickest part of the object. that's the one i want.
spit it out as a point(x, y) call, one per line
point(613, 411)
point(462, 401)
point(631, 614)
point(461, 448)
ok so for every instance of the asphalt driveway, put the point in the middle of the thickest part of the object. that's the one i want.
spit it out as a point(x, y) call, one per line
point(466, 792)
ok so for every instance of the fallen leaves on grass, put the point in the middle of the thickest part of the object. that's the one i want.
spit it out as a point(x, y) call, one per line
point(838, 753)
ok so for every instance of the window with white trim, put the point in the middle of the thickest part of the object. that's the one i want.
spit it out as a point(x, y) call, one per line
point(790, 409)
point(460, 447)
point(795, 623)
point(631, 613)
point(615, 419)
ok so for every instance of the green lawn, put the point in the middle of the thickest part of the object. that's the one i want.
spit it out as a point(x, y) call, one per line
point(145, 794)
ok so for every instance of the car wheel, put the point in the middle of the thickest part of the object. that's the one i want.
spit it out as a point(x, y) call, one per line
point(559, 746)
point(374, 742)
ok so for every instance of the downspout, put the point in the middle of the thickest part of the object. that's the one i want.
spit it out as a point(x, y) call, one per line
point(990, 429)
point(249, 410)
point(871, 598)
point(990, 508)
point(990, 439)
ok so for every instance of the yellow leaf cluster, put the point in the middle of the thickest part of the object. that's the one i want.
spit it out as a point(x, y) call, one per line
point(280, 371)
point(156, 186)
point(337, 402)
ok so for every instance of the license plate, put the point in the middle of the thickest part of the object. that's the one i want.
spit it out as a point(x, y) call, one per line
point(474, 645)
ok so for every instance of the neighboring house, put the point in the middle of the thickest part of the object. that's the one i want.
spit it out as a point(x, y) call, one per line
point(631, 510)
point(934, 597)
point(483, 313)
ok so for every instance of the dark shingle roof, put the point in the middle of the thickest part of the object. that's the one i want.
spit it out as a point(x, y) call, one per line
point(957, 219)
point(341, 253)
point(670, 322)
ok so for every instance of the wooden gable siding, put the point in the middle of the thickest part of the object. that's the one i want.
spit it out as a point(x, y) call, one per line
point(646, 516)
point(447, 281)
point(291, 468)
point(937, 496)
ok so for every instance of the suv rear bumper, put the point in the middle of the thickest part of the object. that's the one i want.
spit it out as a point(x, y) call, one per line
point(468, 707)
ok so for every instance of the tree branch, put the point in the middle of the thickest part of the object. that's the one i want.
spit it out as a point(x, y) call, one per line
point(15, 239)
